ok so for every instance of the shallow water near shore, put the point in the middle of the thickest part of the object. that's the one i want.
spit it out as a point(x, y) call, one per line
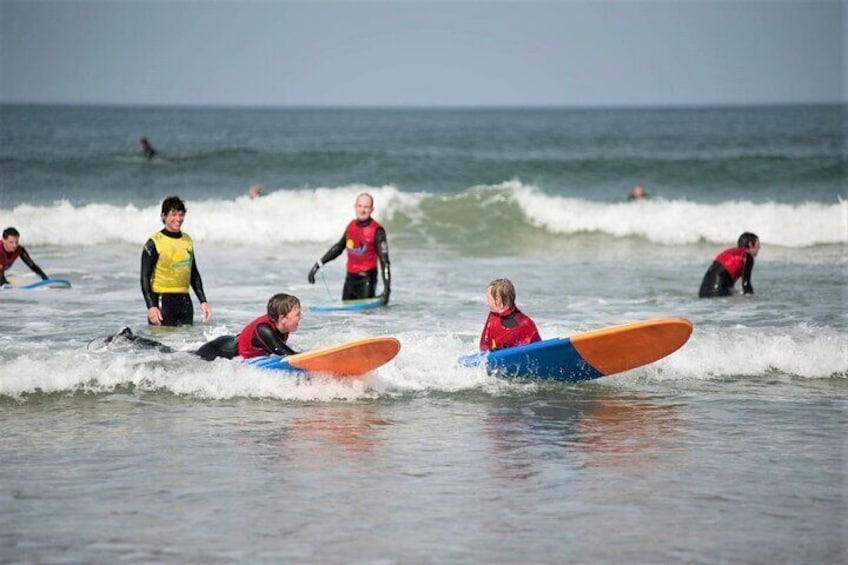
point(730, 449)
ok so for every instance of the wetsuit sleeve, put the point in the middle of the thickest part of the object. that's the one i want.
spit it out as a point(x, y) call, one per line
point(485, 342)
point(31, 264)
point(335, 250)
point(746, 274)
point(382, 244)
point(149, 258)
point(197, 282)
point(270, 339)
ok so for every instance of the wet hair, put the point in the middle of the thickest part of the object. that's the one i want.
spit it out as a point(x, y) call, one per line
point(747, 239)
point(11, 231)
point(281, 304)
point(502, 290)
point(173, 203)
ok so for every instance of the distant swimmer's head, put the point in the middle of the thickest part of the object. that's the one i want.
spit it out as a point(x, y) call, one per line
point(637, 193)
point(254, 191)
point(173, 213)
point(284, 311)
point(500, 295)
point(363, 206)
point(749, 242)
point(11, 236)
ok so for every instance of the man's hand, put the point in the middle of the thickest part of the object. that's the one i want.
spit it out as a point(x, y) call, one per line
point(154, 315)
point(207, 312)
point(311, 277)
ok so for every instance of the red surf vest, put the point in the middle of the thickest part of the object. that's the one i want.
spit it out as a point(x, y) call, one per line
point(246, 348)
point(496, 336)
point(361, 246)
point(733, 260)
point(7, 258)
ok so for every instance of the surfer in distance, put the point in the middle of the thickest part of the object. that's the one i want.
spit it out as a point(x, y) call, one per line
point(11, 250)
point(637, 193)
point(730, 265)
point(506, 326)
point(146, 148)
point(366, 244)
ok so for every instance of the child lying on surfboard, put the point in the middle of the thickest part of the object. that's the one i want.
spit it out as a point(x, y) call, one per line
point(506, 325)
point(266, 335)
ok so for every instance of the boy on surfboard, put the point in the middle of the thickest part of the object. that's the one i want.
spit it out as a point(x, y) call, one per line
point(266, 335)
point(365, 242)
point(11, 250)
point(506, 326)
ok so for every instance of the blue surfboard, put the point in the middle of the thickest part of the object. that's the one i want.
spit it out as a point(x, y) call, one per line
point(588, 355)
point(361, 304)
point(46, 283)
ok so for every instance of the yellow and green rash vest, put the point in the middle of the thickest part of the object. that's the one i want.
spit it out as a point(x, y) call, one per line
point(172, 273)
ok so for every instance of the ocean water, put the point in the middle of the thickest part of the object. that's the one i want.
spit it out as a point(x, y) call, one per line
point(732, 449)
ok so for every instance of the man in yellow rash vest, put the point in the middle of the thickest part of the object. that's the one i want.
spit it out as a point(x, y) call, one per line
point(168, 268)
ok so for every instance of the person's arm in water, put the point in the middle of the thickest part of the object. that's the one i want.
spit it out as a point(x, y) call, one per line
point(746, 274)
point(271, 341)
point(382, 245)
point(31, 264)
point(197, 285)
point(334, 251)
point(149, 258)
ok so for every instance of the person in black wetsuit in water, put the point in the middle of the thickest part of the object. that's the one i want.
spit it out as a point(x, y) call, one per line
point(266, 335)
point(365, 242)
point(730, 265)
point(10, 250)
point(169, 268)
point(146, 148)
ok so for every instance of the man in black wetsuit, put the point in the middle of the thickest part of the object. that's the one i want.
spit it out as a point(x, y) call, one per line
point(11, 250)
point(366, 244)
point(146, 148)
point(168, 268)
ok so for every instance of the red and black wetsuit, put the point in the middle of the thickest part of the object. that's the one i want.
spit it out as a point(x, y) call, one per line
point(8, 258)
point(726, 269)
point(258, 338)
point(508, 329)
point(365, 243)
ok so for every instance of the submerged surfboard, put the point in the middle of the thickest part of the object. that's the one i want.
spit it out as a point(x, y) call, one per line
point(46, 283)
point(349, 359)
point(361, 304)
point(589, 355)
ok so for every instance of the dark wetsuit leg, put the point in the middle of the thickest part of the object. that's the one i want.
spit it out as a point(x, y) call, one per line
point(127, 334)
point(176, 309)
point(360, 285)
point(716, 282)
point(225, 346)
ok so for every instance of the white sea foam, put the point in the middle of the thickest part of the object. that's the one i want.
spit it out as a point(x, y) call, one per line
point(681, 222)
point(805, 352)
point(319, 215)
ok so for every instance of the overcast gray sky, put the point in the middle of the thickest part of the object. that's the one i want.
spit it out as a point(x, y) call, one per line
point(399, 53)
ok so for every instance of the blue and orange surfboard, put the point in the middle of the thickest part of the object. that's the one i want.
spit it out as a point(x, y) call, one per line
point(589, 355)
point(350, 359)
